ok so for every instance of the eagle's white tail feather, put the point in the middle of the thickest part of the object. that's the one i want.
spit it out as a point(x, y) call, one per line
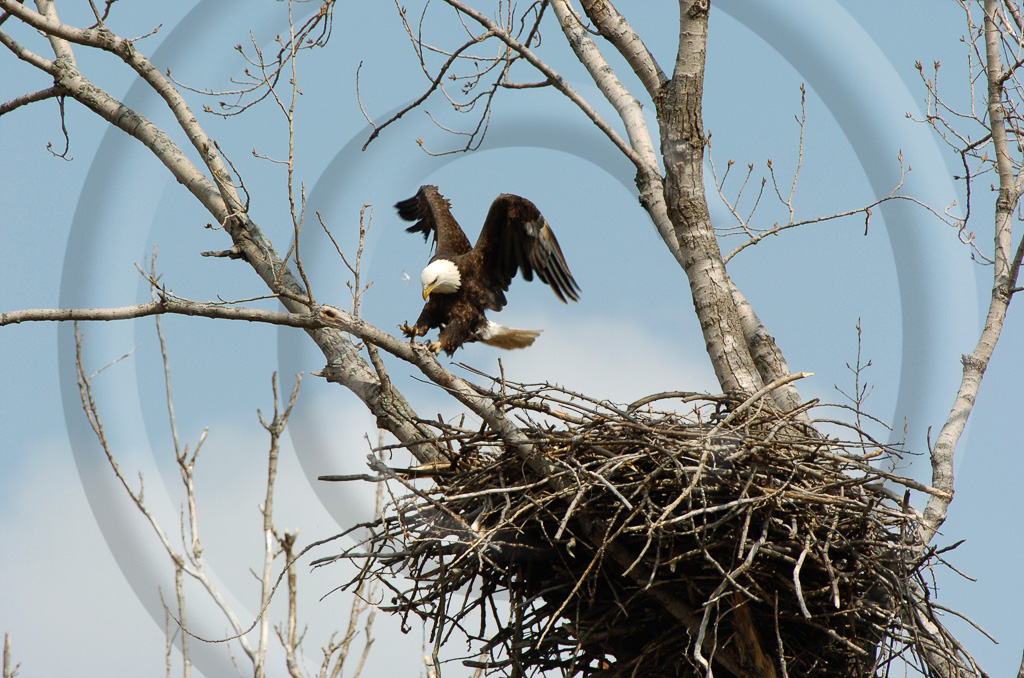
point(507, 338)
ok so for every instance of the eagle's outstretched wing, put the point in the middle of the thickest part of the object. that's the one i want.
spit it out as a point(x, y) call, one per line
point(432, 214)
point(515, 237)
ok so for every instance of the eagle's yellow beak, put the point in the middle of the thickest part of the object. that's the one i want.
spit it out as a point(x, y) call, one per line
point(427, 289)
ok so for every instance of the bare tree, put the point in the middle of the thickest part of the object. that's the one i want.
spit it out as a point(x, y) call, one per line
point(760, 409)
point(281, 554)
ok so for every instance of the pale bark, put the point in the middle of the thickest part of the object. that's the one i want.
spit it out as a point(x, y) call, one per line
point(682, 149)
point(677, 205)
point(615, 29)
point(648, 175)
point(610, 24)
point(767, 356)
point(1005, 269)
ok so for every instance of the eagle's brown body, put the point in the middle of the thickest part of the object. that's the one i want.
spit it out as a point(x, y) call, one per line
point(515, 237)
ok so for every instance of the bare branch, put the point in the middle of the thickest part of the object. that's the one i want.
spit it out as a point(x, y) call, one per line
point(271, 542)
point(1005, 271)
point(195, 569)
point(1014, 11)
point(435, 83)
point(611, 87)
point(27, 55)
point(31, 97)
point(649, 181)
point(614, 28)
point(8, 670)
point(288, 638)
point(556, 80)
point(326, 317)
point(179, 589)
point(160, 306)
point(102, 38)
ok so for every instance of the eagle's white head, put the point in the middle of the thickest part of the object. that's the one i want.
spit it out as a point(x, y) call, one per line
point(441, 276)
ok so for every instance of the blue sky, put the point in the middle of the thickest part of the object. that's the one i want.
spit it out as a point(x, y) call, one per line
point(75, 554)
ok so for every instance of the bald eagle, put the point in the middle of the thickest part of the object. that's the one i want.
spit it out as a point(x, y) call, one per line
point(461, 282)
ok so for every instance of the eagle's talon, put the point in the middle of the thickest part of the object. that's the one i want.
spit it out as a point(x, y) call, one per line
point(434, 346)
point(411, 332)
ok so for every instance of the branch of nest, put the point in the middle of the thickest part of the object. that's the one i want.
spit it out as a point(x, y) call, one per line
point(724, 533)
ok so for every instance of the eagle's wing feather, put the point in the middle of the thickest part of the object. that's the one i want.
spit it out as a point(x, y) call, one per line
point(515, 237)
point(432, 214)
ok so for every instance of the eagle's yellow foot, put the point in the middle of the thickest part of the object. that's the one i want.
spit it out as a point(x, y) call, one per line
point(411, 332)
point(434, 346)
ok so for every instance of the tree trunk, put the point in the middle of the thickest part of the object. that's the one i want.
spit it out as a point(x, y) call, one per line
point(682, 147)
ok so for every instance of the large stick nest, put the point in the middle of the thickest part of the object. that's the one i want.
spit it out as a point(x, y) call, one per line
point(638, 542)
